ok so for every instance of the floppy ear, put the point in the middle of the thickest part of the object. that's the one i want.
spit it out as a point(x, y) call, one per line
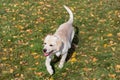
point(59, 44)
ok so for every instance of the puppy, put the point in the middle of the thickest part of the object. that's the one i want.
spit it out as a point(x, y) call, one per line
point(59, 43)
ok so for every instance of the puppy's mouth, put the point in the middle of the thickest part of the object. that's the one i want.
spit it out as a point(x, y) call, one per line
point(47, 54)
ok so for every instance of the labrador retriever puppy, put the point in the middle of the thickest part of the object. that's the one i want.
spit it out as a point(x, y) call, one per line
point(59, 43)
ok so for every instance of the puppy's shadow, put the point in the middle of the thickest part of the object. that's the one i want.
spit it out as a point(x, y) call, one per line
point(70, 51)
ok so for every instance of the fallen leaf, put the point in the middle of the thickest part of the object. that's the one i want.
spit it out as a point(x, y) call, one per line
point(38, 73)
point(105, 45)
point(109, 35)
point(34, 53)
point(118, 34)
point(117, 68)
point(51, 78)
point(20, 27)
point(87, 69)
point(112, 75)
point(94, 59)
point(11, 70)
point(41, 3)
point(36, 63)
point(73, 58)
point(113, 48)
point(5, 49)
point(4, 58)
point(31, 68)
point(31, 45)
point(92, 15)
point(36, 57)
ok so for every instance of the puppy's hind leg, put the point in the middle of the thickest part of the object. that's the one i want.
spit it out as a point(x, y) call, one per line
point(62, 61)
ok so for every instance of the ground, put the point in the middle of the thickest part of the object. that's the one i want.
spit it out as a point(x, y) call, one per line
point(25, 23)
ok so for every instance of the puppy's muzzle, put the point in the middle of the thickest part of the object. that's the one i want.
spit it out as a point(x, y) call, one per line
point(44, 50)
point(47, 53)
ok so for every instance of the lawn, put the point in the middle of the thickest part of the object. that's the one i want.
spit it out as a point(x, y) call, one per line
point(25, 23)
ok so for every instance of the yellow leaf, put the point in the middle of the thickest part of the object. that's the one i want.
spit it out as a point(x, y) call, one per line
point(74, 54)
point(31, 45)
point(105, 45)
point(11, 49)
point(34, 53)
point(51, 78)
point(5, 49)
point(31, 68)
point(113, 48)
point(36, 57)
point(73, 58)
point(109, 35)
point(11, 70)
point(20, 27)
point(4, 58)
point(87, 69)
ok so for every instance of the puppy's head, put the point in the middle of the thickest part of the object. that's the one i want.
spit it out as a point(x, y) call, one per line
point(51, 44)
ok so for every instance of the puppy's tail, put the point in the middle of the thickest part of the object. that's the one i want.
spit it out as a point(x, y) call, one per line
point(70, 14)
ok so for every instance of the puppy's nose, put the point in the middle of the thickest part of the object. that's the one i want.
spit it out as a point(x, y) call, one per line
point(44, 50)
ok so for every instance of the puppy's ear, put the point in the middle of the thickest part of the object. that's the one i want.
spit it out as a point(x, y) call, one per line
point(47, 36)
point(59, 44)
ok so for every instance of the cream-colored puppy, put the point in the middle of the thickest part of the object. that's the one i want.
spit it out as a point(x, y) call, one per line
point(59, 43)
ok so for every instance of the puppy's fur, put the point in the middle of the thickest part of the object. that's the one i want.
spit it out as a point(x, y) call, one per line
point(59, 43)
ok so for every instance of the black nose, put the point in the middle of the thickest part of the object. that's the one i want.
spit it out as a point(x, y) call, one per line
point(44, 50)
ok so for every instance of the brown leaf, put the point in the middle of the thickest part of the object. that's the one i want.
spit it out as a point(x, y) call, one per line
point(38, 73)
point(112, 75)
point(94, 59)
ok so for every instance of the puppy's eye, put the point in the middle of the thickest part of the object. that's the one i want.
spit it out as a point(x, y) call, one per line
point(51, 45)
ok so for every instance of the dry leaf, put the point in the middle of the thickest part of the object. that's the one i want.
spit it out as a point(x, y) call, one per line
point(4, 58)
point(51, 78)
point(36, 57)
point(94, 59)
point(38, 73)
point(87, 69)
point(34, 53)
point(36, 63)
point(117, 68)
point(11, 70)
point(118, 34)
point(112, 75)
point(113, 48)
point(109, 35)
point(105, 45)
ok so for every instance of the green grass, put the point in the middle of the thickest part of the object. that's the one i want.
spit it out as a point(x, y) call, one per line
point(24, 24)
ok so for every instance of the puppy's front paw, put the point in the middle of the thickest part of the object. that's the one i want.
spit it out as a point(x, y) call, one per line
point(60, 66)
point(51, 72)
